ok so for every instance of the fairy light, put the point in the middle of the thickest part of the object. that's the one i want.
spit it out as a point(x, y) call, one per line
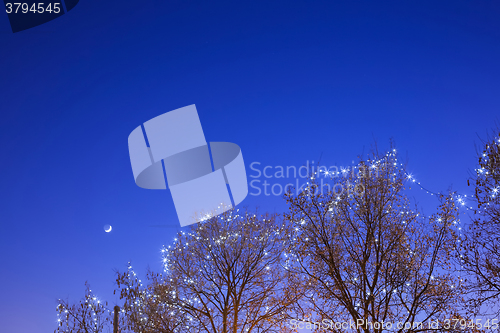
point(98, 313)
point(181, 243)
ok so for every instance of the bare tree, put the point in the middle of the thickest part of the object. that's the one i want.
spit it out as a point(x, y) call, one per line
point(229, 276)
point(480, 251)
point(89, 315)
point(367, 257)
point(151, 307)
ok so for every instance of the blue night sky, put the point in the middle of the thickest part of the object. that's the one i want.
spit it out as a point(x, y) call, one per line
point(288, 81)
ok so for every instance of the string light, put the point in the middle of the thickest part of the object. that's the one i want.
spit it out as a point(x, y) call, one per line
point(181, 244)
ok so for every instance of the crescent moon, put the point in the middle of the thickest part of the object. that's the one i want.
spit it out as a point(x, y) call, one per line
point(108, 228)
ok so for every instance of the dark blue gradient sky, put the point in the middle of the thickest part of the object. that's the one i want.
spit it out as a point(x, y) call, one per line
point(288, 81)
